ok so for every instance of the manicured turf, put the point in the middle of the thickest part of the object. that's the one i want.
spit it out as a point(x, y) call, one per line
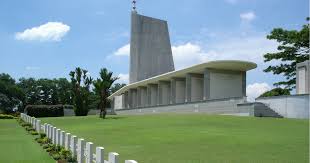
point(17, 146)
point(180, 138)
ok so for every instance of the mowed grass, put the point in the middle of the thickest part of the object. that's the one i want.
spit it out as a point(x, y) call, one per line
point(194, 138)
point(17, 146)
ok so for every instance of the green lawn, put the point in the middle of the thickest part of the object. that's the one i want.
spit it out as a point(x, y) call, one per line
point(17, 146)
point(194, 138)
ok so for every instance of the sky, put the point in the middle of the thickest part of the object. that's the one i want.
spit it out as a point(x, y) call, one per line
point(49, 38)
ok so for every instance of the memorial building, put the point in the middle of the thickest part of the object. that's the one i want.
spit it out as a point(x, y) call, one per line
point(155, 85)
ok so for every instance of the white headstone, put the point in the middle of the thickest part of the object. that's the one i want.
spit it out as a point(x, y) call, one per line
point(80, 151)
point(89, 152)
point(99, 155)
point(67, 141)
point(113, 157)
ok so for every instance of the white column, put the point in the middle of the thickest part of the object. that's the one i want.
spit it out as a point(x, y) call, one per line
point(89, 152)
point(99, 155)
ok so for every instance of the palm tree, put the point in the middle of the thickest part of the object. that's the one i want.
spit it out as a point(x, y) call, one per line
point(80, 86)
point(102, 88)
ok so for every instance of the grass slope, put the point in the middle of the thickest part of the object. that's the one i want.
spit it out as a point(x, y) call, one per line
point(17, 146)
point(194, 138)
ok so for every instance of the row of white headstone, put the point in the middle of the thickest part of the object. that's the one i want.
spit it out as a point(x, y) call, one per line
point(79, 147)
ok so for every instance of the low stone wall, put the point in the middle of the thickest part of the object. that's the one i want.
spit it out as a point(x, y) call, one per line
point(293, 106)
point(222, 106)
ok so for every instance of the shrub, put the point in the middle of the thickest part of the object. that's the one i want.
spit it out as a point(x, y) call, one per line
point(65, 154)
point(33, 133)
point(72, 159)
point(26, 124)
point(5, 116)
point(42, 135)
point(46, 146)
point(56, 156)
point(45, 110)
point(29, 129)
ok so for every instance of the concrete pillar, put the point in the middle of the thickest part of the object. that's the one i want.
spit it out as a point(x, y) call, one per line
point(303, 78)
point(194, 87)
point(206, 85)
point(164, 92)
point(126, 100)
point(152, 94)
point(177, 90)
point(243, 83)
point(142, 96)
point(132, 93)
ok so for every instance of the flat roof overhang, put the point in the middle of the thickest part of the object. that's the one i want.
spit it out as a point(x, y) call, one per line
point(234, 65)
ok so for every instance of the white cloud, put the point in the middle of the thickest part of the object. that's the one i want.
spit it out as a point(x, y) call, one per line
point(256, 89)
point(123, 51)
point(123, 78)
point(51, 31)
point(240, 48)
point(188, 54)
point(247, 16)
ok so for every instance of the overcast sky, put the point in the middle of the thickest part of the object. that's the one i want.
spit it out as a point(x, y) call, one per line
point(49, 38)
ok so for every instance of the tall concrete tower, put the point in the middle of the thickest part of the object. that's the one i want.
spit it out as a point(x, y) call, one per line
point(150, 48)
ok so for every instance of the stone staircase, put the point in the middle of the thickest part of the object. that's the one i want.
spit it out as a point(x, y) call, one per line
point(262, 110)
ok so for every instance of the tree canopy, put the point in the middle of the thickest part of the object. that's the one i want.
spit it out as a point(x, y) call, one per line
point(293, 49)
point(10, 94)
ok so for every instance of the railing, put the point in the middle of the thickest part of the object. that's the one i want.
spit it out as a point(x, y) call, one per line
point(78, 146)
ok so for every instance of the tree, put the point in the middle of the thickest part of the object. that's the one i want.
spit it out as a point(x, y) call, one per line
point(276, 92)
point(293, 49)
point(46, 91)
point(102, 87)
point(80, 88)
point(10, 94)
point(117, 87)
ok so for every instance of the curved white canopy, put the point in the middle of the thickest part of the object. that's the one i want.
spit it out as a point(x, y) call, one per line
point(235, 65)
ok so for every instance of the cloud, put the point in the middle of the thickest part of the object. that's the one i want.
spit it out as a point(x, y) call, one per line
point(51, 31)
point(239, 48)
point(188, 54)
point(123, 78)
point(256, 89)
point(247, 16)
point(123, 51)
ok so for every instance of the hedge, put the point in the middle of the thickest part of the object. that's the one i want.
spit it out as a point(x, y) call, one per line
point(5, 116)
point(45, 110)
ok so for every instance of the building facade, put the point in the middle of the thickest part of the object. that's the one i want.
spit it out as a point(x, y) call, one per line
point(155, 83)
